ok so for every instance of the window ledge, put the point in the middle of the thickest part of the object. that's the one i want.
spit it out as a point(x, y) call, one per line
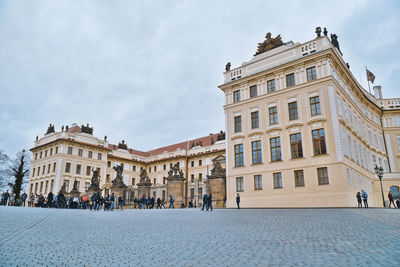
point(256, 164)
point(294, 124)
point(298, 158)
point(274, 128)
point(239, 166)
point(313, 119)
point(276, 161)
point(322, 155)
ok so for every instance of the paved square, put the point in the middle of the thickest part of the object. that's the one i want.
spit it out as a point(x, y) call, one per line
point(190, 237)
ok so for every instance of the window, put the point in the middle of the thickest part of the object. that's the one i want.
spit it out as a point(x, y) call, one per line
point(238, 124)
point(277, 179)
point(339, 104)
point(236, 96)
point(41, 153)
point(348, 176)
point(350, 147)
point(315, 107)
point(67, 167)
point(254, 120)
point(36, 156)
point(192, 163)
point(33, 172)
point(41, 187)
point(155, 168)
point(323, 176)
point(344, 143)
point(239, 184)
point(200, 162)
point(191, 193)
point(170, 165)
point(298, 178)
point(154, 181)
point(48, 168)
point(108, 163)
point(133, 181)
point(355, 150)
point(66, 182)
point(253, 91)
point(319, 142)
point(70, 150)
point(257, 182)
point(311, 74)
point(164, 167)
point(293, 115)
point(256, 152)
point(38, 171)
point(149, 169)
point(45, 155)
point(56, 150)
point(192, 178)
point(44, 168)
point(80, 152)
point(78, 168)
point(164, 180)
point(90, 154)
point(88, 169)
point(52, 185)
point(273, 115)
point(290, 80)
point(200, 177)
point(239, 155)
point(296, 146)
point(99, 156)
point(275, 149)
point(87, 185)
point(271, 86)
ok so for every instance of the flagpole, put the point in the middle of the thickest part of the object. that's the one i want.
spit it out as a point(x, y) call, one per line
point(369, 88)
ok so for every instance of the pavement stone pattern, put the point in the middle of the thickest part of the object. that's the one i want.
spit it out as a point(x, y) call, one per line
point(191, 237)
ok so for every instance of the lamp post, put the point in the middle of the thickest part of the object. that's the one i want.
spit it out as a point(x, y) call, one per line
point(379, 173)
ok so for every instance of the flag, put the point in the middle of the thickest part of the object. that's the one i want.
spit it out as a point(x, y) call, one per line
point(370, 76)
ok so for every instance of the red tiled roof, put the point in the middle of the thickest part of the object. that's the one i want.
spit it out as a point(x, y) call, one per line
point(206, 141)
point(75, 129)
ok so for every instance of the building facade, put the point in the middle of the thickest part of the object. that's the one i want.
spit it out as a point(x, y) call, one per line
point(71, 154)
point(302, 132)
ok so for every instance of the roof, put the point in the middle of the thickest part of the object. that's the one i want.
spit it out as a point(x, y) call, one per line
point(204, 141)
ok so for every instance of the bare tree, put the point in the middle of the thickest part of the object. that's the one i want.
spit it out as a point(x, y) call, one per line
point(18, 172)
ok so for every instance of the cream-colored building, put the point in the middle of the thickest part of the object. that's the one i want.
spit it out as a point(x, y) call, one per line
point(61, 157)
point(302, 132)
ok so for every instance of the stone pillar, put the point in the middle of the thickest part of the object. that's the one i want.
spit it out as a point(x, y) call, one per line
point(217, 185)
point(175, 186)
point(218, 191)
point(143, 189)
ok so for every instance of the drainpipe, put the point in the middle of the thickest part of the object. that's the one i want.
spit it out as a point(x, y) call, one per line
point(187, 173)
point(384, 141)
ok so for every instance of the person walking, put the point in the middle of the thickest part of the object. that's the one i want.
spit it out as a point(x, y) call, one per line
point(163, 204)
point(23, 198)
point(30, 201)
point(171, 202)
point(158, 203)
point(238, 201)
point(205, 200)
point(209, 201)
point(390, 196)
point(120, 202)
point(364, 195)
point(112, 202)
point(152, 201)
point(359, 200)
point(6, 197)
point(50, 200)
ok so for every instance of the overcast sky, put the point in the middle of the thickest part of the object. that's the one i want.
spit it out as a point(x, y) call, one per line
point(148, 71)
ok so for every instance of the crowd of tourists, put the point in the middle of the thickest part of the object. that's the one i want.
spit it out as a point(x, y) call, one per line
point(363, 198)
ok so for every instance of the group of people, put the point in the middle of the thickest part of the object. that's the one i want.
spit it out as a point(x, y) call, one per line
point(363, 198)
point(207, 202)
point(148, 203)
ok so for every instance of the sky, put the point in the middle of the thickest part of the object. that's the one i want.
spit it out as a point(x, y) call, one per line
point(147, 72)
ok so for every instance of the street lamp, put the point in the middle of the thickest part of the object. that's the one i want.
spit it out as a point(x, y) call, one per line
point(379, 173)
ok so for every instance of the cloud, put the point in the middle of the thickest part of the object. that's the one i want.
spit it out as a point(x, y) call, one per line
point(148, 72)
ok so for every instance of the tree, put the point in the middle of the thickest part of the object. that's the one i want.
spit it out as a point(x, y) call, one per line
point(18, 172)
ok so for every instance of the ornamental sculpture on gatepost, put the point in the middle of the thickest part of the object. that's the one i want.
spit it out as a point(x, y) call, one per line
point(118, 186)
point(144, 184)
point(94, 183)
point(75, 189)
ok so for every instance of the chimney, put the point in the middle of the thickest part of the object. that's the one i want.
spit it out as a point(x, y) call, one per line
point(377, 91)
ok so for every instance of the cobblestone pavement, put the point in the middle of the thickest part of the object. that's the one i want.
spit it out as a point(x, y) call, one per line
point(190, 237)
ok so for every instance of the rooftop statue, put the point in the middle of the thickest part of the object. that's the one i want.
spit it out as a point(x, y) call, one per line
point(335, 42)
point(86, 129)
point(268, 44)
point(122, 145)
point(50, 129)
point(228, 66)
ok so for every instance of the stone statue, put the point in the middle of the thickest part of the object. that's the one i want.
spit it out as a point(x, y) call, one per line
point(66, 128)
point(218, 171)
point(86, 129)
point(171, 172)
point(119, 170)
point(221, 136)
point(228, 66)
point(144, 178)
point(175, 174)
point(75, 189)
point(62, 190)
point(325, 32)
point(181, 173)
point(318, 31)
point(335, 42)
point(269, 43)
point(105, 138)
point(95, 182)
point(122, 145)
point(37, 137)
point(50, 129)
point(62, 128)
